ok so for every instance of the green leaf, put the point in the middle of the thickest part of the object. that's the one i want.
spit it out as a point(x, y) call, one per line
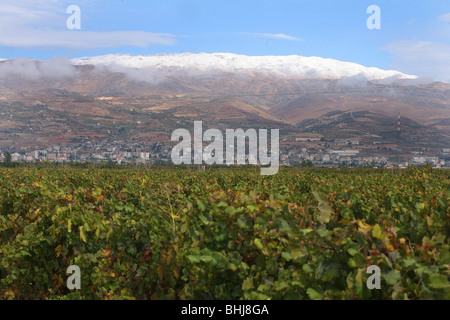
point(193, 258)
point(206, 259)
point(392, 277)
point(184, 227)
point(307, 268)
point(286, 256)
point(201, 205)
point(247, 284)
point(438, 281)
point(298, 253)
point(420, 206)
point(358, 261)
point(204, 220)
point(409, 263)
point(323, 233)
point(242, 224)
point(222, 204)
point(313, 294)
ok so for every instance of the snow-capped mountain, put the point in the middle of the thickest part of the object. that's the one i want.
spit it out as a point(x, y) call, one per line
point(287, 66)
point(144, 98)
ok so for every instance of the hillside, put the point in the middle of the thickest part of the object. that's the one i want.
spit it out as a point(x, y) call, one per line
point(145, 98)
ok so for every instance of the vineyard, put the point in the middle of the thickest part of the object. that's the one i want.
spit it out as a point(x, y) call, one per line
point(224, 233)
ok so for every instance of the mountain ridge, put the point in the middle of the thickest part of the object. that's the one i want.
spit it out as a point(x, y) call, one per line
point(148, 101)
point(292, 65)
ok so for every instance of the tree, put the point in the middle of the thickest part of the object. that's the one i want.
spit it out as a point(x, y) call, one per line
point(305, 164)
point(7, 157)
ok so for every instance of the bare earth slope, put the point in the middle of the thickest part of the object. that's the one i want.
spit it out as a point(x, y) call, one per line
point(150, 96)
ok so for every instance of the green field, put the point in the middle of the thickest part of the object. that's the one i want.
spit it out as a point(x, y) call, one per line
point(224, 233)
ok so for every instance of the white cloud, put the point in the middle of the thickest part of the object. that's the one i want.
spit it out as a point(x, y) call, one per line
point(82, 39)
point(38, 24)
point(279, 36)
point(31, 14)
point(444, 17)
point(422, 58)
point(34, 70)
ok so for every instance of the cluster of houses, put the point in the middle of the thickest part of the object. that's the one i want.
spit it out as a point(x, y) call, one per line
point(117, 152)
point(314, 150)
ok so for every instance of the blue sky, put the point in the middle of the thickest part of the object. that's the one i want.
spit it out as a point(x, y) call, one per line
point(414, 36)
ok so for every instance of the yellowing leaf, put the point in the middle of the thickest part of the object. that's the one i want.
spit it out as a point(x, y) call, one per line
point(83, 234)
point(358, 277)
point(258, 244)
point(325, 213)
point(382, 235)
point(106, 252)
point(364, 227)
point(388, 244)
point(426, 242)
point(58, 250)
point(377, 232)
point(233, 267)
point(325, 210)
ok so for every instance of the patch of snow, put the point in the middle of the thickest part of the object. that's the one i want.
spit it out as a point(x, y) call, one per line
point(288, 66)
